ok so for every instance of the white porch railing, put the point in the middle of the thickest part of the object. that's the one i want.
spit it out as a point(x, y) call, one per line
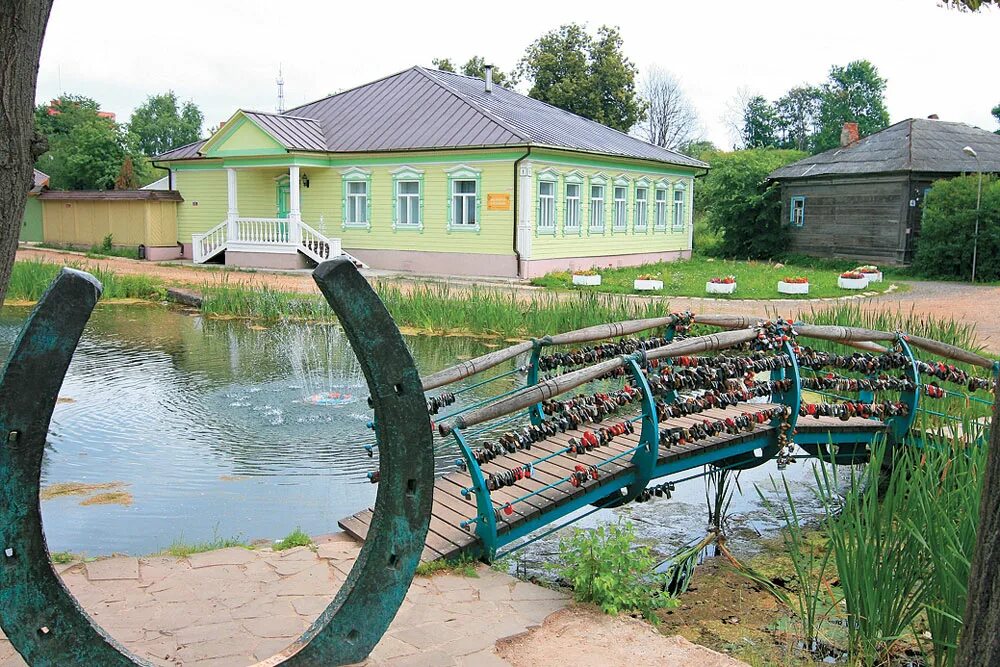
point(267, 235)
point(205, 246)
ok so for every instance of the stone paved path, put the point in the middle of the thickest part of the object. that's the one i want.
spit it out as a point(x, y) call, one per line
point(236, 606)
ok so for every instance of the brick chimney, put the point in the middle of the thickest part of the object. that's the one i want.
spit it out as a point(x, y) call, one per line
point(849, 134)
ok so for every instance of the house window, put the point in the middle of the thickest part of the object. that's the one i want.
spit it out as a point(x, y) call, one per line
point(621, 217)
point(546, 207)
point(408, 203)
point(798, 211)
point(572, 221)
point(661, 209)
point(679, 207)
point(639, 224)
point(357, 203)
point(597, 208)
point(463, 203)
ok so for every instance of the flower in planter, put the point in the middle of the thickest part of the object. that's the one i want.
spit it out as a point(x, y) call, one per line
point(795, 280)
point(852, 275)
point(727, 280)
point(586, 272)
point(867, 268)
point(647, 276)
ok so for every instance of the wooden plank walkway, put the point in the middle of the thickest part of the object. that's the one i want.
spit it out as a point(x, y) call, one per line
point(447, 539)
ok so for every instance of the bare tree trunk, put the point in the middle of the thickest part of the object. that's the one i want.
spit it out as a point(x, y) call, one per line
point(980, 642)
point(22, 28)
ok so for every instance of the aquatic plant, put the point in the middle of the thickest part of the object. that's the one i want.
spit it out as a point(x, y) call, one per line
point(181, 549)
point(29, 280)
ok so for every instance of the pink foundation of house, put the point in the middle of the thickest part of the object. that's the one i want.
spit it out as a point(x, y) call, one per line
point(442, 263)
point(163, 254)
point(539, 267)
point(286, 261)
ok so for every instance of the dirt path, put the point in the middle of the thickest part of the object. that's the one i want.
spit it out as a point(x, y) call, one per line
point(964, 303)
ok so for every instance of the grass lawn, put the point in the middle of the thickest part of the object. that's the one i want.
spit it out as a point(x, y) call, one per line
point(754, 279)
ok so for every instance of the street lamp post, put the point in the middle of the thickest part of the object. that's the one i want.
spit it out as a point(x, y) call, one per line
point(968, 150)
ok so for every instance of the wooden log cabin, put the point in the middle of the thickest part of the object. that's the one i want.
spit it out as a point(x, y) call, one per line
point(864, 199)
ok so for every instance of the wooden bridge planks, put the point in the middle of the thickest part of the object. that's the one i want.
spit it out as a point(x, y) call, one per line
point(447, 539)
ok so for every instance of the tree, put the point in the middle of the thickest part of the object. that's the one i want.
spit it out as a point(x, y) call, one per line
point(947, 230)
point(22, 24)
point(797, 114)
point(853, 93)
point(701, 149)
point(476, 67)
point(159, 124)
point(126, 176)
point(996, 114)
point(969, 5)
point(743, 205)
point(760, 124)
point(443, 64)
point(583, 74)
point(672, 121)
point(86, 150)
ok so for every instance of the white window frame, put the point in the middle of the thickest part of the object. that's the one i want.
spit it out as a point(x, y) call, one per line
point(797, 213)
point(407, 175)
point(573, 206)
point(547, 203)
point(597, 181)
point(456, 175)
point(619, 207)
point(405, 202)
point(354, 202)
point(679, 210)
point(640, 207)
point(660, 207)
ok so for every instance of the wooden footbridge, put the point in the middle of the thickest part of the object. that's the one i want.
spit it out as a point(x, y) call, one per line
point(646, 408)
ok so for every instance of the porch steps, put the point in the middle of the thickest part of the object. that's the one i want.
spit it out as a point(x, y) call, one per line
point(268, 235)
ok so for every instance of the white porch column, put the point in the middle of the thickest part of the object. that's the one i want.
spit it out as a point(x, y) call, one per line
point(233, 209)
point(294, 209)
point(525, 210)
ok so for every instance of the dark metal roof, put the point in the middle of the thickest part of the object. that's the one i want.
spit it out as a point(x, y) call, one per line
point(120, 195)
point(292, 132)
point(421, 108)
point(917, 144)
point(543, 124)
point(183, 152)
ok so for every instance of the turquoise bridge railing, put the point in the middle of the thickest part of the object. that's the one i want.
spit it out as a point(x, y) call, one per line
point(831, 405)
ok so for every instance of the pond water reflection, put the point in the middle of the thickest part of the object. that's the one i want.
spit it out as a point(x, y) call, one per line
point(207, 425)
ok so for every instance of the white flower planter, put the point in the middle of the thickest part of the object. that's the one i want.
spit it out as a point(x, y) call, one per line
point(587, 281)
point(647, 285)
point(852, 283)
point(792, 288)
point(720, 288)
point(873, 277)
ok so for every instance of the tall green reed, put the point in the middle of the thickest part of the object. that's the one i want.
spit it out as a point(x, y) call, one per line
point(29, 280)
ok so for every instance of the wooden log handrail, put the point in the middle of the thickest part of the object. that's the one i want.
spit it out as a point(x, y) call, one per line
point(561, 384)
point(585, 335)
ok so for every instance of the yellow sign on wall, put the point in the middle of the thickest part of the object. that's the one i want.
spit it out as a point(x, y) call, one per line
point(497, 201)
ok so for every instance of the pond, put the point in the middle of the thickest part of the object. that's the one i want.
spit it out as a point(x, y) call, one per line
point(203, 429)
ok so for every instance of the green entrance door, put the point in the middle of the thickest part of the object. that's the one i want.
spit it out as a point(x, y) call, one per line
point(31, 226)
point(284, 199)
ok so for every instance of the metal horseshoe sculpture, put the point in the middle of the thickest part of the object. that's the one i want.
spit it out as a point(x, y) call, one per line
point(42, 619)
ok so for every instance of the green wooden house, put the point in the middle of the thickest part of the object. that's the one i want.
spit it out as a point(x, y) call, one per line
point(431, 172)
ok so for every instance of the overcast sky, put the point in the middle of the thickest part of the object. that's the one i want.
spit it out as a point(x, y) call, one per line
point(225, 55)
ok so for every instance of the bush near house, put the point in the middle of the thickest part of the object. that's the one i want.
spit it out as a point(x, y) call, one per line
point(742, 205)
point(947, 230)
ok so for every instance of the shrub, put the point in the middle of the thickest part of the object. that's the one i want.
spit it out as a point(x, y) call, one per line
point(743, 206)
point(947, 230)
point(606, 566)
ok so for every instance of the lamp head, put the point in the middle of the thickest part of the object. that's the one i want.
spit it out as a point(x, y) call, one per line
point(968, 150)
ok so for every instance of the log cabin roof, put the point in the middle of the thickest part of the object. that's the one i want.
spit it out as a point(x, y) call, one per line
point(914, 145)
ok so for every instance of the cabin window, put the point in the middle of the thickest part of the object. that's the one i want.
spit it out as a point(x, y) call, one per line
point(463, 203)
point(572, 222)
point(661, 209)
point(357, 203)
point(679, 212)
point(408, 203)
point(597, 208)
point(621, 216)
point(639, 224)
point(798, 211)
point(546, 207)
